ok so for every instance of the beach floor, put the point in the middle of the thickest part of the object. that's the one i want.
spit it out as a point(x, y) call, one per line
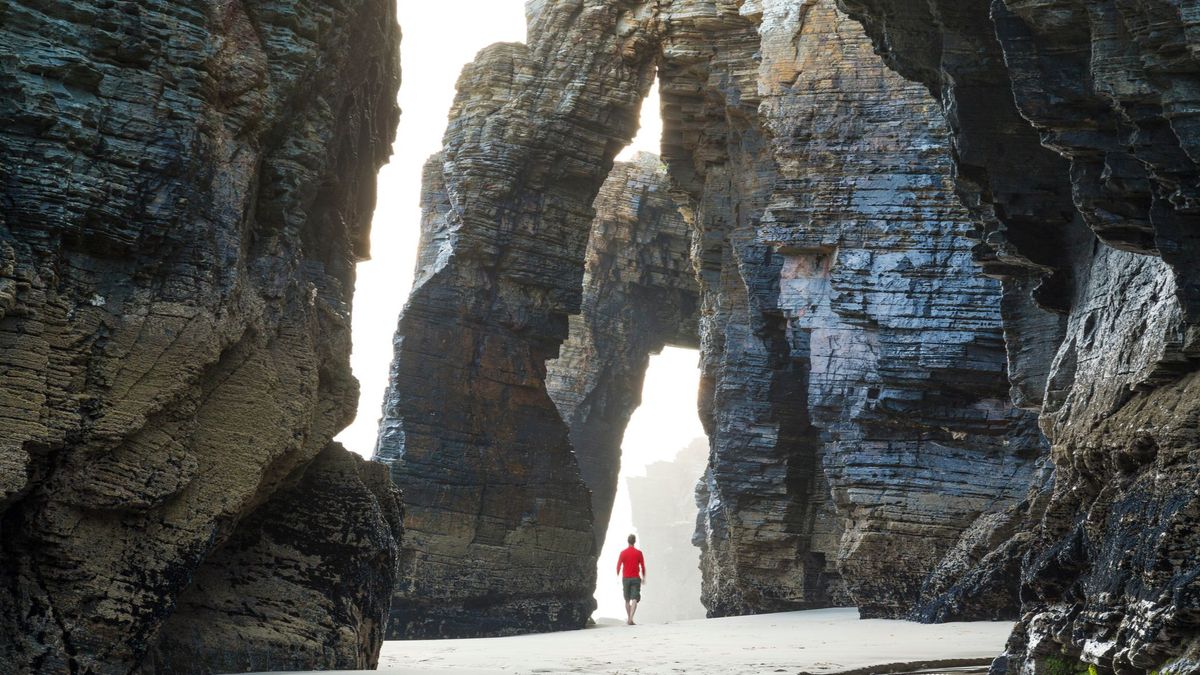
point(820, 641)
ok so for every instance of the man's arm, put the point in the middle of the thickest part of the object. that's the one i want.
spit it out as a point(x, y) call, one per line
point(618, 564)
point(642, 562)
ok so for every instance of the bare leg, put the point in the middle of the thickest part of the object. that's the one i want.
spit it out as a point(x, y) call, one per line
point(632, 610)
point(628, 613)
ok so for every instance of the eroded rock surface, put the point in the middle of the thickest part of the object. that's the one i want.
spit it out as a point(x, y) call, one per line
point(854, 383)
point(639, 295)
point(321, 552)
point(860, 417)
point(663, 506)
point(499, 519)
point(187, 187)
point(1109, 566)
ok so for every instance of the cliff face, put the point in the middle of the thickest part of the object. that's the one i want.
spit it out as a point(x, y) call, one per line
point(499, 518)
point(187, 187)
point(1109, 565)
point(863, 447)
point(859, 410)
point(639, 294)
point(768, 525)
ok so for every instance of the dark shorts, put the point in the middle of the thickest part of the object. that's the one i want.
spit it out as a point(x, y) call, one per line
point(632, 586)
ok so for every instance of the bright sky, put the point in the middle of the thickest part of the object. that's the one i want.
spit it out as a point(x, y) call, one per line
point(433, 52)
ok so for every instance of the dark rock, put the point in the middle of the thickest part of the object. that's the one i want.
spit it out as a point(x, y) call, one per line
point(639, 294)
point(499, 520)
point(854, 385)
point(323, 551)
point(768, 534)
point(1107, 567)
point(186, 189)
point(859, 411)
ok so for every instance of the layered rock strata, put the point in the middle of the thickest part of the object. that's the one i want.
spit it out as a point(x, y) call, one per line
point(1092, 98)
point(320, 552)
point(854, 373)
point(187, 187)
point(499, 519)
point(768, 532)
point(859, 412)
point(639, 295)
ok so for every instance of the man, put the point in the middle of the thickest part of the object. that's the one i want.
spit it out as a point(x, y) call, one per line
point(631, 565)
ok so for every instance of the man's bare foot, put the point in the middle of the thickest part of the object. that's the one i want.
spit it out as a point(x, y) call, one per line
point(630, 622)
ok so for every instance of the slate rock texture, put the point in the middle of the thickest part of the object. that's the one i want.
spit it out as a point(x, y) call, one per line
point(639, 295)
point(1091, 98)
point(900, 330)
point(854, 390)
point(859, 413)
point(498, 518)
point(768, 532)
point(186, 187)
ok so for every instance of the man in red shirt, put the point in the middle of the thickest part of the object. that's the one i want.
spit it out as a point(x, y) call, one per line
point(633, 564)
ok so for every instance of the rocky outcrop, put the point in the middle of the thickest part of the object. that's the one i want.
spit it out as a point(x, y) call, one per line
point(859, 411)
point(187, 187)
point(499, 519)
point(662, 503)
point(768, 534)
point(854, 370)
point(1089, 98)
point(639, 295)
point(319, 553)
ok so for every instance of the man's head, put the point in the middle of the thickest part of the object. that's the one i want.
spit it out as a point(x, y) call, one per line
point(632, 539)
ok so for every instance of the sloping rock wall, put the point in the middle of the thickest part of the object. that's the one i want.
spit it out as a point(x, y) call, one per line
point(321, 552)
point(900, 330)
point(663, 506)
point(639, 294)
point(187, 186)
point(499, 519)
point(1108, 570)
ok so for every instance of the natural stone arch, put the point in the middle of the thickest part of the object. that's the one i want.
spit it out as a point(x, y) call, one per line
point(639, 295)
point(477, 443)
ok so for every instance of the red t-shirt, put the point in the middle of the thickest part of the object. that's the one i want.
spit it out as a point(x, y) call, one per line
point(631, 559)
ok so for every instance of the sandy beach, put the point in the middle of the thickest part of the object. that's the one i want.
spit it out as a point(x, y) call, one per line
point(820, 641)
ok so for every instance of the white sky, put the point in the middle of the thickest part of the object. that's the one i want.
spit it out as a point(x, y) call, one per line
point(432, 54)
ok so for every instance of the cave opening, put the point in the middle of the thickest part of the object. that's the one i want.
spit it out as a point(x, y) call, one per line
point(663, 455)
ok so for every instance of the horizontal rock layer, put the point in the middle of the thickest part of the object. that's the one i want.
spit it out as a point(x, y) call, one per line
point(499, 519)
point(639, 294)
point(768, 532)
point(858, 409)
point(854, 387)
point(900, 331)
point(1091, 99)
point(662, 505)
point(320, 552)
point(187, 187)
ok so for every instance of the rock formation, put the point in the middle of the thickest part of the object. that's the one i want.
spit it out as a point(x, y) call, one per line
point(1075, 149)
point(663, 507)
point(187, 187)
point(317, 554)
point(863, 445)
point(858, 405)
point(639, 294)
point(499, 518)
